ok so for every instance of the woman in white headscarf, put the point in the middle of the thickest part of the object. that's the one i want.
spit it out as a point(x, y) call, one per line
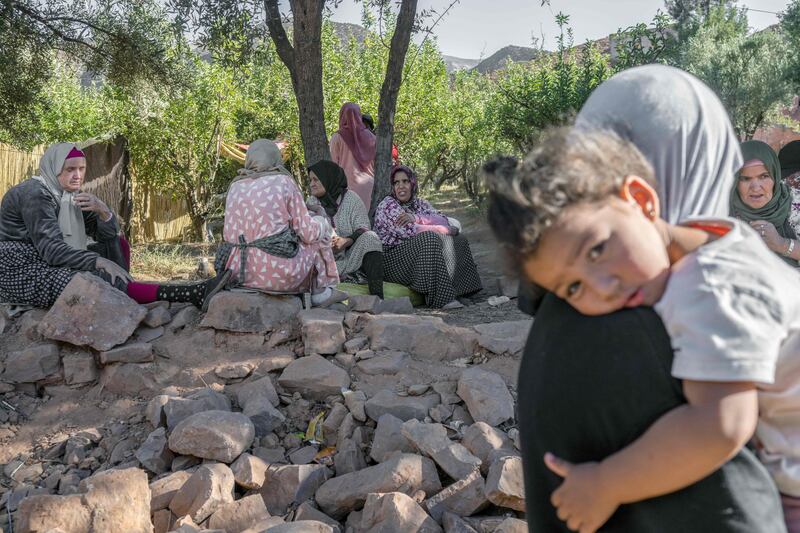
point(44, 224)
point(592, 385)
point(272, 242)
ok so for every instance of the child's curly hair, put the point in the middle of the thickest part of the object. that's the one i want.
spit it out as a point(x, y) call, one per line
point(569, 166)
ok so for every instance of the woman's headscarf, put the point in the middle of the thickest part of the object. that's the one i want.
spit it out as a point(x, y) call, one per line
point(334, 180)
point(777, 210)
point(680, 126)
point(412, 177)
point(789, 157)
point(356, 135)
point(262, 159)
point(70, 216)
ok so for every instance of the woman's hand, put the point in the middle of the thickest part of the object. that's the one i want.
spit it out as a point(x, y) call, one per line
point(405, 218)
point(769, 234)
point(89, 202)
point(316, 209)
point(340, 244)
point(113, 270)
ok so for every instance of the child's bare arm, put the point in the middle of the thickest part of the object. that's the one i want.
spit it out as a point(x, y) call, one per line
point(682, 447)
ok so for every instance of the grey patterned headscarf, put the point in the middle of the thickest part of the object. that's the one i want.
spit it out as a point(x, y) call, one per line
point(70, 216)
point(263, 158)
point(681, 127)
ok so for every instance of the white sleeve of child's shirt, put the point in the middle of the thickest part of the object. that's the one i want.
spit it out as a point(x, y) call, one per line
point(721, 331)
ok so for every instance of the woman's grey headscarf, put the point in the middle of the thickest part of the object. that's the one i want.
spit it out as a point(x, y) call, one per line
point(262, 159)
point(680, 125)
point(70, 216)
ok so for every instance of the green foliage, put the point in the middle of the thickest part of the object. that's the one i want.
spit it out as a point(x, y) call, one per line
point(790, 24)
point(547, 92)
point(644, 43)
point(751, 73)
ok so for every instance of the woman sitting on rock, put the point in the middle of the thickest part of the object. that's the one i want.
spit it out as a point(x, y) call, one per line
point(422, 250)
point(44, 223)
point(355, 246)
point(272, 243)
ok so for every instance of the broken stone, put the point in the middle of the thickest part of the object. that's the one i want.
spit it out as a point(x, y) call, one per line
point(355, 344)
point(157, 316)
point(464, 498)
point(418, 390)
point(145, 334)
point(387, 363)
point(302, 526)
point(239, 515)
point(140, 352)
point(504, 337)
point(332, 422)
point(395, 511)
point(314, 377)
point(304, 455)
point(441, 413)
point(307, 511)
point(481, 439)
point(259, 388)
point(209, 488)
point(22, 473)
point(114, 499)
point(128, 379)
point(403, 407)
point(447, 391)
point(505, 485)
point(291, 484)
point(217, 435)
point(389, 438)
point(348, 458)
point(363, 303)
point(512, 525)
point(164, 489)
point(322, 331)
point(405, 473)
point(234, 370)
point(90, 312)
point(163, 521)
point(79, 368)
point(248, 312)
point(154, 454)
point(178, 409)
point(426, 337)
point(454, 524)
point(249, 471)
point(154, 412)
point(397, 306)
point(264, 416)
point(276, 454)
point(32, 364)
point(275, 360)
point(486, 396)
point(431, 440)
point(184, 317)
point(122, 450)
point(356, 402)
point(184, 462)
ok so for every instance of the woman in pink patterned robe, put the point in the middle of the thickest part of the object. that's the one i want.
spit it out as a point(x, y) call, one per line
point(264, 201)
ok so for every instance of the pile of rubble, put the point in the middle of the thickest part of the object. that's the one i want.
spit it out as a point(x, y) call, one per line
point(259, 416)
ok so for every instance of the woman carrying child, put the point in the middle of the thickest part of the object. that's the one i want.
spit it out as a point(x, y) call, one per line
point(593, 385)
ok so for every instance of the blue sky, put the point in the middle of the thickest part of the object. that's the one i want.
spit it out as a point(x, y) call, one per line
point(478, 28)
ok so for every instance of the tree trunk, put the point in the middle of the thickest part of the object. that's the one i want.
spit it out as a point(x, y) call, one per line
point(304, 61)
point(388, 102)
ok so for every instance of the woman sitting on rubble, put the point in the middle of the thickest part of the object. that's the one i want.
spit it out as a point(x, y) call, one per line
point(272, 243)
point(44, 224)
point(422, 249)
point(356, 247)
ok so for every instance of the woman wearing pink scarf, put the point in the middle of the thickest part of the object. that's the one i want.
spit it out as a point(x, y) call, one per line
point(353, 149)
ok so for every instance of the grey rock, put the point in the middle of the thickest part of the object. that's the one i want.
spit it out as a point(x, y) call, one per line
point(454, 524)
point(464, 498)
point(237, 516)
point(364, 303)
point(158, 316)
point(396, 306)
point(307, 511)
point(322, 331)
point(486, 396)
point(139, 352)
point(177, 409)
point(255, 389)
point(403, 407)
point(154, 454)
point(291, 484)
point(90, 312)
point(482, 439)
point(234, 370)
point(405, 473)
point(512, 525)
point(388, 363)
point(250, 312)
point(503, 337)
point(162, 490)
point(355, 344)
point(217, 435)
point(389, 438)
point(505, 485)
point(426, 337)
point(79, 368)
point(314, 377)
point(249, 471)
point(395, 511)
point(431, 440)
point(128, 379)
point(209, 488)
point(32, 364)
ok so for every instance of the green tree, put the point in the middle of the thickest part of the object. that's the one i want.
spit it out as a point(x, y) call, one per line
point(549, 91)
point(751, 73)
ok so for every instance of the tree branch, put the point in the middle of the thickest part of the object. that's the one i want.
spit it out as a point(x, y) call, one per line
point(278, 35)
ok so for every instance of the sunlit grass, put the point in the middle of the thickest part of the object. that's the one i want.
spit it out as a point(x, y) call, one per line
point(161, 262)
